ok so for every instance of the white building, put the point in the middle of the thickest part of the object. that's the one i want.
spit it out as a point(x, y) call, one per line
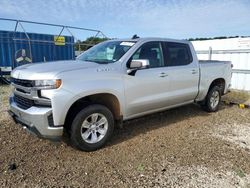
point(236, 50)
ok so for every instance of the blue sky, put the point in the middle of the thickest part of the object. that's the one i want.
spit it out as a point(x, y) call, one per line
point(122, 18)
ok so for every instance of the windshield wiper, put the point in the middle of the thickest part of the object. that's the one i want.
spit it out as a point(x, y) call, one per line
point(96, 61)
point(99, 62)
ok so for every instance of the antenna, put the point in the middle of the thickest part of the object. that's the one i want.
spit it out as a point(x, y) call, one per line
point(135, 36)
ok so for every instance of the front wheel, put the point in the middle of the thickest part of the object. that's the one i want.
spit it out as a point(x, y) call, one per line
point(212, 101)
point(92, 127)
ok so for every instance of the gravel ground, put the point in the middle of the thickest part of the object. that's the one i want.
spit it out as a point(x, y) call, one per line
point(238, 97)
point(182, 147)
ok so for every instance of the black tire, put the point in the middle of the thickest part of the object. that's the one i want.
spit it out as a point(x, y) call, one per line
point(207, 105)
point(76, 127)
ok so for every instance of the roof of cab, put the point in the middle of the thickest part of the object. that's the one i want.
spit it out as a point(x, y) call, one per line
point(144, 39)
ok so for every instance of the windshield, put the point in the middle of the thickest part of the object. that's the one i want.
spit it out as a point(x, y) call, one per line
point(106, 52)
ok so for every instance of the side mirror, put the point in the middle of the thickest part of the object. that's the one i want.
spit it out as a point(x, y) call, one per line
point(134, 65)
point(139, 63)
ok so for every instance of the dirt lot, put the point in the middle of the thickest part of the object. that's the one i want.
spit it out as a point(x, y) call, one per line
point(180, 147)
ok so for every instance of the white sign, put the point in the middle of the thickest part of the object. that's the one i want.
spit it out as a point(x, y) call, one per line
point(127, 43)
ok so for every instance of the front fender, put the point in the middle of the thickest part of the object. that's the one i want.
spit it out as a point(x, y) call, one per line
point(79, 84)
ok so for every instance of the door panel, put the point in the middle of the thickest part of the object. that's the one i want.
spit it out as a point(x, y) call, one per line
point(183, 72)
point(146, 90)
point(183, 84)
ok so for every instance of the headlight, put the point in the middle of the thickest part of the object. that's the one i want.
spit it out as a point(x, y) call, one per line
point(48, 84)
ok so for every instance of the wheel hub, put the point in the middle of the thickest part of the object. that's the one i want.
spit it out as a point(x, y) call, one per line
point(94, 128)
point(215, 98)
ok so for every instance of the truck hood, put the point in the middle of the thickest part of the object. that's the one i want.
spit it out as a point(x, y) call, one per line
point(49, 70)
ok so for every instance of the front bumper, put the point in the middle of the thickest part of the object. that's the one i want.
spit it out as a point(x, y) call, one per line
point(36, 120)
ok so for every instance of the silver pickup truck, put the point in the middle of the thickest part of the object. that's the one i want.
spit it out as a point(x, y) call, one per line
point(114, 81)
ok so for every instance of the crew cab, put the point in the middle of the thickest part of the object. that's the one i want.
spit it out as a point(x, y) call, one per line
point(112, 82)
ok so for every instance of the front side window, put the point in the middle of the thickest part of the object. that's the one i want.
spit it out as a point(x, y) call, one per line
point(177, 54)
point(152, 51)
point(106, 52)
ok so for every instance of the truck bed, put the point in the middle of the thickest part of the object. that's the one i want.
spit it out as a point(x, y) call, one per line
point(211, 70)
point(213, 61)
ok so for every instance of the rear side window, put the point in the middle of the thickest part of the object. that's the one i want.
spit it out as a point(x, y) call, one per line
point(177, 54)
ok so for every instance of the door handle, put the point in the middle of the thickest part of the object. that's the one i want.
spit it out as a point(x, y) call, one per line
point(163, 74)
point(194, 71)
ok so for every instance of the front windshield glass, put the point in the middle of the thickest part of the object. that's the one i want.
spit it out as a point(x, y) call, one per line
point(106, 52)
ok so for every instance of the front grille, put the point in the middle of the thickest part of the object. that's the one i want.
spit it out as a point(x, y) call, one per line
point(21, 82)
point(22, 102)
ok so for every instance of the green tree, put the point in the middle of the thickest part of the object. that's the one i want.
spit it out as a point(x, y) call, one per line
point(88, 43)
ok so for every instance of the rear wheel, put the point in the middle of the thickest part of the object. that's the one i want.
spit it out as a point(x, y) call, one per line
point(212, 101)
point(92, 127)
